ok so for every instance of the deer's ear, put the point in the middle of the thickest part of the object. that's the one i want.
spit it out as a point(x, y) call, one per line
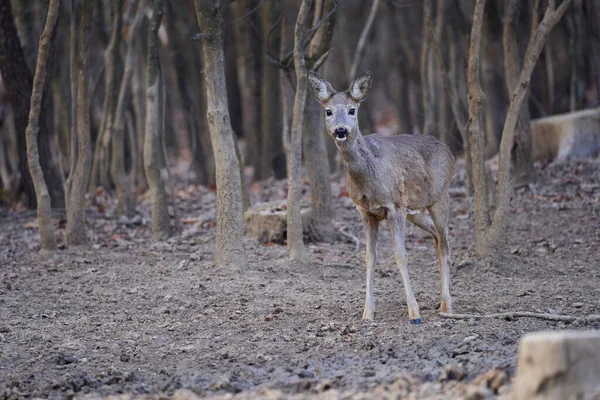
point(360, 88)
point(319, 88)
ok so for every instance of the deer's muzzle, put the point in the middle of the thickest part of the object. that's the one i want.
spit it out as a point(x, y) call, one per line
point(341, 134)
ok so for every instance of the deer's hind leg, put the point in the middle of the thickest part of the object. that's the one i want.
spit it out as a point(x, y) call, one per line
point(424, 222)
point(439, 216)
point(398, 226)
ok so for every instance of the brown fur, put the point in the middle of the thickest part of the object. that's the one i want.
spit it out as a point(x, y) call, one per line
point(391, 178)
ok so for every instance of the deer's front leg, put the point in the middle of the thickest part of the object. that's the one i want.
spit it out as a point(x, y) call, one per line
point(371, 232)
point(398, 225)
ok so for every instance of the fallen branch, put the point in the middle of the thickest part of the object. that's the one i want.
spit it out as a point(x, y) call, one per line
point(350, 236)
point(524, 314)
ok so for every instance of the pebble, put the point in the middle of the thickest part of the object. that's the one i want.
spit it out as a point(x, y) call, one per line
point(578, 305)
point(4, 329)
point(306, 374)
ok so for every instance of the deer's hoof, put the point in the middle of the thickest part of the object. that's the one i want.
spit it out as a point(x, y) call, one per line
point(415, 321)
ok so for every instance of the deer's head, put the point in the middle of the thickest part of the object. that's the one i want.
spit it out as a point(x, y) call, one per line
point(341, 108)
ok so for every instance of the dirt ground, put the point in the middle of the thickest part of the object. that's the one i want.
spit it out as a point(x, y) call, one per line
point(131, 316)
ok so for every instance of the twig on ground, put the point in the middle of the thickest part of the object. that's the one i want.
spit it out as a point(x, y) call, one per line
point(356, 241)
point(524, 314)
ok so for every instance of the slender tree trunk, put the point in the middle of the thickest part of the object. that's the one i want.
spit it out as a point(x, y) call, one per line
point(449, 82)
point(72, 154)
point(522, 155)
point(273, 158)
point(494, 237)
point(230, 223)
point(248, 74)
point(426, 78)
point(100, 166)
point(161, 227)
point(442, 130)
point(295, 239)
point(139, 109)
point(46, 226)
point(126, 202)
point(76, 232)
point(315, 149)
point(18, 81)
point(476, 98)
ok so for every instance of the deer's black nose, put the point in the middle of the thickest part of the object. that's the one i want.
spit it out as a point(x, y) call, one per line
point(341, 131)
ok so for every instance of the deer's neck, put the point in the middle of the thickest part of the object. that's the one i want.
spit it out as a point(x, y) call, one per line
point(357, 157)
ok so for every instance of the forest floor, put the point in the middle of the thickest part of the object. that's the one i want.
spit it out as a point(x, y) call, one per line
point(130, 316)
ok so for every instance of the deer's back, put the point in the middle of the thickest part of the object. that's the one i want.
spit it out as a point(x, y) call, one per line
point(423, 166)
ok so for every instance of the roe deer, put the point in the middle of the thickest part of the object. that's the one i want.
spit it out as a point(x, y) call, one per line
point(390, 178)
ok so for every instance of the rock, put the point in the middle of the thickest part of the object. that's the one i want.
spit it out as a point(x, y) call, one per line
point(184, 394)
point(558, 365)
point(306, 374)
point(578, 305)
point(4, 329)
point(267, 222)
point(452, 372)
point(493, 379)
point(559, 137)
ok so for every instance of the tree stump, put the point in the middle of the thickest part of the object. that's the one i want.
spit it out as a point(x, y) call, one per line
point(575, 134)
point(267, 222)
point(558, 365)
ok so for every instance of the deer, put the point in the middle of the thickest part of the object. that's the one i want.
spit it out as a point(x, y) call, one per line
point(392, 178)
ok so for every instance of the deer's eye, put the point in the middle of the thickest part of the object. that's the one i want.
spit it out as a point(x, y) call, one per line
point(329, 113)
point(352, 111)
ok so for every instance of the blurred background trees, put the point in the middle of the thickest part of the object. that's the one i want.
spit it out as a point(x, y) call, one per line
point(417, 52)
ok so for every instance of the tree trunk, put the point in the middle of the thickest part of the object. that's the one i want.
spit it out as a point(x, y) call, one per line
point(442, 130)
point(248, 74)
point(495, 234)
point(76, 232)
point(230, 224)
point(139, 109)
point(426, 75)
point(451, 87)
point(315, 149)
point(161, 227)
point(18, 81)
point(273, 158)
point(522, 155)
point(126, 202)
point(46, 226)
point(295, 239)
point(476, 98)
point(100, 167)
point(72, 154)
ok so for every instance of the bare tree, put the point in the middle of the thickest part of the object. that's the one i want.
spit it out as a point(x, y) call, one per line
point(315, 150)
point(230, 224)
point(295, 240)
point(126, 203)
point(248, 73)
point(273, 160)
point(72, 154)
point(161, 227)
point(46, 226)
point(455, 99)
point(426, 70)
point(76, 232)
point(18, 80)
point(490, 233)
point(522, 153)
point(100, 166)
point(476, 143)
